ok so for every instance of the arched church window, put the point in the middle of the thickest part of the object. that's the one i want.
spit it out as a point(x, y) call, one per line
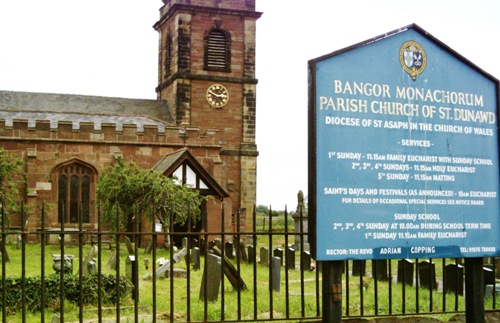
point(75, 185)
point(218, 50)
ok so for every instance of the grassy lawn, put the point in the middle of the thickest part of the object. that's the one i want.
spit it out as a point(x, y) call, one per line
point(360, 297)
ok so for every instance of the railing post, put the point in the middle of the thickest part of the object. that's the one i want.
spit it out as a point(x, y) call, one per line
point(332, 291)
point(474, 290)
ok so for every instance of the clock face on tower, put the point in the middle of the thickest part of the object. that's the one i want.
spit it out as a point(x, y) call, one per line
point(217, 95)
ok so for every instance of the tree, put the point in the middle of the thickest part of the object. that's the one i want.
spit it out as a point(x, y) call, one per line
point(126, 189)
point(11, 175)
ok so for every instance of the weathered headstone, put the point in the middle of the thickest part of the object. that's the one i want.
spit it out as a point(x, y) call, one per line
point(195, 258)
point(91, 266)
point(177, 273)
point(427, 274)
point(379, 270)
point(275, 278)
point(94, 250)
point(454, 281)
point(305, 260)
point(5, 255)
point(112, 261)
point(131, 273)
point(229, 249)
point(278, 252)
point(290, 258)
point(489, 276)
point(300, 218)
point(241, 249)
point(179, 255)
point(230, 271)
point(210, 283)
point(359, 268)
point(211, 244)
point(251, 254)
point(488, 290)
point(161, 271)
point(149, 247)
point(19, 242)
point(218, 243)
point(405, 271)
point(203, 246)
point(185, 243)
point(129, 246)
point(264, 256)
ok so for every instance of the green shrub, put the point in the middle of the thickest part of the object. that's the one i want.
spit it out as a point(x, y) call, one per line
point(89, 291)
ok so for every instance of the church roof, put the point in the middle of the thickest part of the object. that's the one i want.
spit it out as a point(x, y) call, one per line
point(81, 108)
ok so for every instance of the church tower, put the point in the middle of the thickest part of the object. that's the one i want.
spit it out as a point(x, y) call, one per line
point(206, 73)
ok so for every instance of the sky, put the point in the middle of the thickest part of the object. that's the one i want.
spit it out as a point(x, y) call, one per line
point(109, 48)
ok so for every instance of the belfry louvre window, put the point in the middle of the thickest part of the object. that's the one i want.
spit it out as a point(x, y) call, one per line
point(74, 187)
point(218, 50)
point(168, 56)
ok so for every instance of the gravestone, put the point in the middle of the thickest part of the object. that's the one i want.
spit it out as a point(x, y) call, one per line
point(91, 267)
point(278, 252)
point(84, 268)
point(231, 272)
point(94, 250)
point(185, 243)
point(149, 247)
point(359, 267)
point(488, 290)
point(129, 246)
point(195, 258)
point(178, 256)
point(131, 273)
point(241, 249)
point(301, 214)
point(229, 249)
point(211, 279)
point(276, 268)
point(427, 274)
point(489, 276)
point(203, 247)
point(454, 281)
point(5, 255)
point(264, 256)
point(218, 243)
point(379, 270)
point(112, 261)
point(177, 273)
point(405, 271)
point(290, 258)
point(161, 271)
point(305, 260)
point(251, 254)
point(211, 244)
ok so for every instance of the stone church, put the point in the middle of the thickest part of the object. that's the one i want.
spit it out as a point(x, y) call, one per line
point(201, 128)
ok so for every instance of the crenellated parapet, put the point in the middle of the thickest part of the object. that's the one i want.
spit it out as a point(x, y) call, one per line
point(102, 129)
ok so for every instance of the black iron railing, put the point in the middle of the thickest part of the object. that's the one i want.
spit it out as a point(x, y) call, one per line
point(262, 274)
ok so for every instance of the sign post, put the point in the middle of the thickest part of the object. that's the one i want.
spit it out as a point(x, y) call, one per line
point(403, 152)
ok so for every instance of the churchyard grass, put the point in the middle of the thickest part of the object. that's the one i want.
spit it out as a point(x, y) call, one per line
point(231, 312)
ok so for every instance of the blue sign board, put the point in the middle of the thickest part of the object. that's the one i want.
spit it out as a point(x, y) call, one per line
point(403, 152)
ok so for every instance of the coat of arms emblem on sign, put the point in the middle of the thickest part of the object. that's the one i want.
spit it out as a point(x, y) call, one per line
point(413, 58)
